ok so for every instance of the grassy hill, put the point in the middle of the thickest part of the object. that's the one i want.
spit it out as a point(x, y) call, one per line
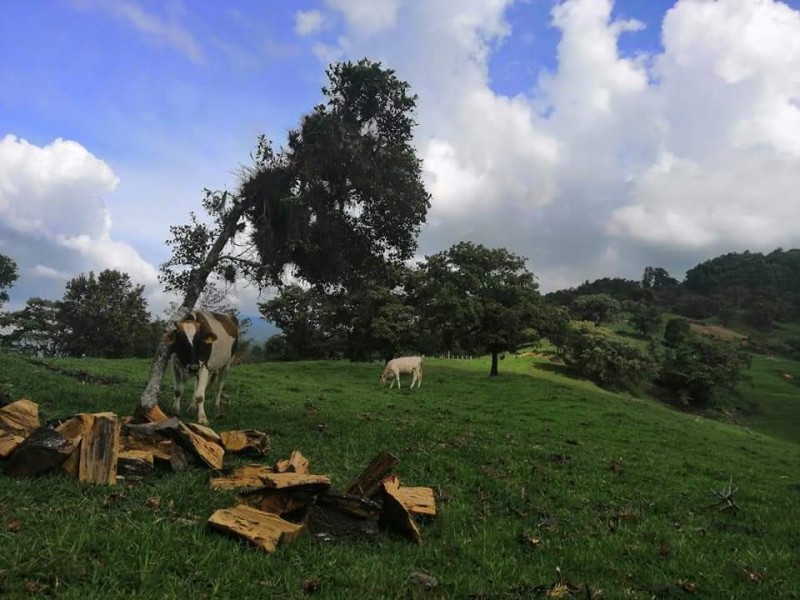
point(536, 474)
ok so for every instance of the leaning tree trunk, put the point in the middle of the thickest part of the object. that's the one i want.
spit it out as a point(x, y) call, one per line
point(149, 397)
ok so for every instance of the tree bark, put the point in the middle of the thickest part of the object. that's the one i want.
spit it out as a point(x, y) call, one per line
point(493, 371)
point(149, 397)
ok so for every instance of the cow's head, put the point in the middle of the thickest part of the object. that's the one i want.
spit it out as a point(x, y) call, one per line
point(190, 340)
point(385, 376)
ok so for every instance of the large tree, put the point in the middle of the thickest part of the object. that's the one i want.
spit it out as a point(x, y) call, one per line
point(344, 200)
point(8, 275)
point(34, 329)
point(494, 296)
point(104, 315)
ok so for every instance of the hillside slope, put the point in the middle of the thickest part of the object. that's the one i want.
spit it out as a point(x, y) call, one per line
point(535, 472)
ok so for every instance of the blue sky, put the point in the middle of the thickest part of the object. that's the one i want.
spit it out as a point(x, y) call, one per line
point(593, 137)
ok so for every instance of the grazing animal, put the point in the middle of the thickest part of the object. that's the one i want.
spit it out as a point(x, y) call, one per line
point(404, 365)
point(203, 343)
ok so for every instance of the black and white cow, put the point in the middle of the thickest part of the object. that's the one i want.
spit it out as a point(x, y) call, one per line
point(203, 344)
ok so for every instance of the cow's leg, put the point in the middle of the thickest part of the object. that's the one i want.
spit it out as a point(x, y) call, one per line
point(221, 377)
point(414, 378)
point(178, 379)
point(419, 377)
point(397, 375)
point(200, 395)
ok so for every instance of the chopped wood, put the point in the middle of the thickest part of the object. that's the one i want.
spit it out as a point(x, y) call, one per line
point(211, 453)
point(296, 463)
point(160, 448)
point(265, 530)
point(136, 463)
point(246, 441)
point(279, 481)
point(354, 506)
point(205, 432)
point(179, 458)
point(100, 449)
point(8, 443)
point(290, 501)
point(416, 500)
point(327, 522)
point(152, 414)
point(247, 476)
point(396, 518)
point(44, 450)
point(20, 418)
point(369, 482)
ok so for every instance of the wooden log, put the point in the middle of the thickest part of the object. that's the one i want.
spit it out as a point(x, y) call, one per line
point(296, 463)
point(205, 432)
point(395, 518)
point(8, 443)
point(210, 453)
point(100, 450)
point(135, 463)
point(286, 502)
point(247, 476)
point(73, 429)
point(368, 483)
point(279, 481)
point(327, 522)
point(246, 441)
point(265, 530)
point(355, 506)
point(20, 418)
point(152, 414)
point(43, 450)
point(160, 448)
point(416, 500)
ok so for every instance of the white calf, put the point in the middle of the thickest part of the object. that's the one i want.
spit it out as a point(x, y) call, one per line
point(405, 365)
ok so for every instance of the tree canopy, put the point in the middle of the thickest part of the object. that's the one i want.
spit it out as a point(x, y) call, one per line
point(8, 275)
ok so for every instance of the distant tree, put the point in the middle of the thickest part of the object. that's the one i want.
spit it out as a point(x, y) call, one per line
point(553, 322)
point(605, 358)
point(498, 296)
point(597, 308)
point(8, 275)
point(676, 331)
point(701, 368)
point(298, 313)
point(34, 329)
point(106, 316)
point(657, 278)
point(646, 318)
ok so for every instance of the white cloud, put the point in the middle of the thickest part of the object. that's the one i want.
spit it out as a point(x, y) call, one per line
point(51, 207)
point(367, 17)
point(307, 22)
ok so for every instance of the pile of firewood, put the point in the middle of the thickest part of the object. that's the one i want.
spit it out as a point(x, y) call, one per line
point(275, 503)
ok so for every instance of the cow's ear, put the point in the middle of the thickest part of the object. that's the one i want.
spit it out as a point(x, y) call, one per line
point(209, 338)
point(169, 338)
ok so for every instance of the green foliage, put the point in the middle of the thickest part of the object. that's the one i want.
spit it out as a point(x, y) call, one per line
point(676, 331)
point(8, 275)
point(646, 318)
point(700, 370)
point(479, 297)
point(344, 201)
point(34, 329)
point(597, 308)
point(657, 278)
point(106, 316)
point(609, 360)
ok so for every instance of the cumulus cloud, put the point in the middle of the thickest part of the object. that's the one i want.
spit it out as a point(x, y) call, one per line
point(52, 213)
point(307, 22)
point(610, 161)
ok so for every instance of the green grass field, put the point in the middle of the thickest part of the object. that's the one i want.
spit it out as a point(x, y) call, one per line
point(534, 471)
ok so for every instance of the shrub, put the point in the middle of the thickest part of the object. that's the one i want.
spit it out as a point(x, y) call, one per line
point(676, 331)
point(700, 368)
point(607, 359)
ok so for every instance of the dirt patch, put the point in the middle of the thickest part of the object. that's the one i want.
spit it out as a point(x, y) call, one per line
point(718, 331)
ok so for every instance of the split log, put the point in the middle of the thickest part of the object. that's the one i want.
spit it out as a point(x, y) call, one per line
point(100, 449)
point(246, 441)
point(265, 530)
point(296, 463)
point(279, 481)
point(290, 502)
point(327, 522)
point(135, 463)
point(8, 443)
point(416, 500)
point(205, 432)
point(149, 414)
point(73, 429)
point(44, 450)
point(355, 506)
point(159, 448)
point(395, 517)
point(369, 482)
point(210, 452)
point(248, 476)
point(20, 418)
